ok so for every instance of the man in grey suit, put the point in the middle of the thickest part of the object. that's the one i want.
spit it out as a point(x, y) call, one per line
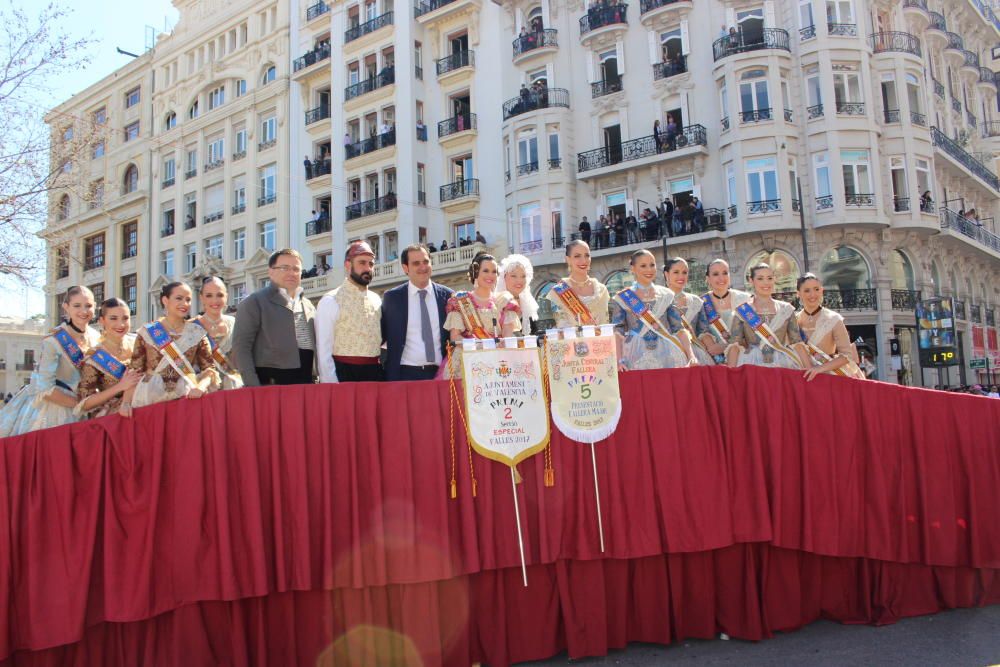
point(274, 340)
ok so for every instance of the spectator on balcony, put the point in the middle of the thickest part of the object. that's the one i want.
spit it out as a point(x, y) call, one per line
point(537, 25)
point(525, 40)
point(584, 229)
point(612, 235)
point(926, 202)
point(734, 39)
point(421, 130)
point(619, 227)
point(444, 245)
point(431, 248)
point(699, 214)
point(667, 217)
point(480, 238)
point(632, 228)
point(672, 130)
point(525, 96)
point(600, 231)
point(657, 139)
point(326, 267)
point(383, 128)
point(307, 163)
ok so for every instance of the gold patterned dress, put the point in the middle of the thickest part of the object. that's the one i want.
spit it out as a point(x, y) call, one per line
point(827, 332)
point(221, 335)
point(501, 308)
point(94, 380)
point(161, 381)
point(598, 304)
point(754, 352)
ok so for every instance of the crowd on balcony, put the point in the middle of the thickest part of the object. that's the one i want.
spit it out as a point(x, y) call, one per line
point(992, 391)
point(535, 97)
point(463, 241)
point(612, 230)
point(604, 12)
point(318, 166)
point(532, 37)
point(315, 271)
point(320, 52)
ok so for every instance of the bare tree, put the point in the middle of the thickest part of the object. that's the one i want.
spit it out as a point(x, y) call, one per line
point(33, 51)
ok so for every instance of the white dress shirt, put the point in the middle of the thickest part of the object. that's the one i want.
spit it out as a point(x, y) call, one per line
point(327, 312)
point(413, 351)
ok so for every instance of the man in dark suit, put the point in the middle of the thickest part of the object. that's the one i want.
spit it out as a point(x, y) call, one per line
point(274, 341)
point(413, 320)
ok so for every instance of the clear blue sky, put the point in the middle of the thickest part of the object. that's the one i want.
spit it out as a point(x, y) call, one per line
point(110, 23)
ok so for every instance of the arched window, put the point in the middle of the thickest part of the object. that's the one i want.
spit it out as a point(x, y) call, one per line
point(786, 269)
point(901, 271)
point(697, 280)
point(617, 281)
point(843, 268)
point(64, 206)
point(131, 180)
point(193, 110)
point(270, 73)
point(535, 22)
point(170, 122)
point(546, 319)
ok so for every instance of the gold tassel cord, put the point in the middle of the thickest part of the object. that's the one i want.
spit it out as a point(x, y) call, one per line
point(451, 423)
point(461, 414)
point(550, 472)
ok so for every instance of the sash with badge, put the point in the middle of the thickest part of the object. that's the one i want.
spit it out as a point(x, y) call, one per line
point(766, 335)
point(217, 355)
point(69, 346)
point(166, 346)
point(470, 316)
point(694, 337)
point(105, 362)
point(572, 303)
point(714, 319)
point(631, 302)
point(848, 370)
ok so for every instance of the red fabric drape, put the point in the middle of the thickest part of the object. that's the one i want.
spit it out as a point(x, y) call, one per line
point(745, 500)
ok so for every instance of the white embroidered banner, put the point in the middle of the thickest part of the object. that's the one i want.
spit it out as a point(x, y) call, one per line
point(583, 381)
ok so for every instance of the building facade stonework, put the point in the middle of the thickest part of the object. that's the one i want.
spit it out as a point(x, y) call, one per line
point(850, 138)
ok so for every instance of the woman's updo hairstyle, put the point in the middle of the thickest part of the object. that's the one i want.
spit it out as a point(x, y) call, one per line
point(804, 278)
point(208, 280)
point(168, 289)
point(73, 291)
point(759, 267)
point(708, 269)
point(477, 263)
point(639, 253)
point(576, 242)
point(108, 304)
point(673, 260)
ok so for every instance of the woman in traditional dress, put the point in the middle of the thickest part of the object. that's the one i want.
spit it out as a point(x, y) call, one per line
point(764, 331)
point(579, 299)
point(482, 313)
point(825, 334)
point(516, 273)
point(49, 398)
point(219, 328)
point(719, 305)
point(675, 274)
point(105, 375)
point(174, 355)
point(651, 332)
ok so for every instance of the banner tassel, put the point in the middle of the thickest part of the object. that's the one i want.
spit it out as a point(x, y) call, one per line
point(517, 517)
point(465, 425)
point(550, 472)
point(517, 474)
point(597, 495)
point(451, 424)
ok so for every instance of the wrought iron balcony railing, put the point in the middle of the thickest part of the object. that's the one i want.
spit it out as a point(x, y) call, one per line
point(938, 88)
point(839, 299)
point(725, 124)
point(367, 27)
point(167, 182)
point(370, 207)
point(739, 42)
point(755, 115)
point(239, 208)
point(456, 124)
point(938, 22)
point(264, 200)
point(317, 10)
point(987, 75)
point(905, 299)
point(635, 149)
point(859, 199)
point(465, 188)
point(970, 60)
point(918, 4)
point(530, 100)
point(955, 42)
point(763, 206)
point(918, 119)
point(456, 61)
point(892, 116)
point(319, 113)
point(319, 168)
point(851, 108)
point(555, 163)
point(600, 16)
point(384, 78)
point(602, 88)
point(370, 145)
point(535, 40)
point(527, 168)
point(650, 5)
point(314, 227)
point(959, 306)
point(956, 105)
point(842, 29)
point(895, 41)
point(214, 164)
point(966, 227)
point(318, 54)
point(824, 202)
point(213, 217)
point(991, 129)
point(815, 111)
point(964, 158)
point(669, 69)
point(421, 8)
point(900, 204)
point(809, 32)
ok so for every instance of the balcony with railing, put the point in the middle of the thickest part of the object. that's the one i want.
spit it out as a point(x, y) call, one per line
point(860, 199)
point(739, 42)
point(432, 10)
point(919, 6)
point(959, 307)
point(901, 204)
point(167, 229)
point(370, 145)
point(954, 50)
point(991, 129)
point(317, 10)
point(266, 199)
point(191, 173)
point(842, 29)
point(527, 168)
point(531, 100)
point(691, 139)
point(468, 187)
point(239, 208)
point(606, 87)
point(851, 108)
point(601, 16)
point(669, 69)
point(809, 32)
point(321, 112)
point(384, 78)
point(463, 122)
point(763, 207)
point(970, 66)
point(950, 220)
point(905, 299)
point(535, 43)
point(310, 58)
point(321, 226)
point(815, 111)
point(214, 164)
point(987, 79)
point(651, 10)
point(894, 41)
point(368, 27)
point(456, 61)
point(891, 116)
point(917, 118)
point(956, 105)
point(167, 182)
point(213, 217)
point(838, 299)
point(370, 207)
point(824, 202)
point(963, 158)
point(756, 115)
point(938, 23)
point(319, 168)
point(938, 88)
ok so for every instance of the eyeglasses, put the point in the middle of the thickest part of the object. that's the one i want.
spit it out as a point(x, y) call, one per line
point(287, 268)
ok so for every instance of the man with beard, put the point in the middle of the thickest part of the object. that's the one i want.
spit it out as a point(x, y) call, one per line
point(348, 333)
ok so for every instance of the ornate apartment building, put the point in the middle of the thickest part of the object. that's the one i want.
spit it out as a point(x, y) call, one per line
point(20, 347)
point(850, 138)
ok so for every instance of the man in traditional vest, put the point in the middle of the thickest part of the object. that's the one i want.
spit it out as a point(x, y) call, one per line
point(348, 331)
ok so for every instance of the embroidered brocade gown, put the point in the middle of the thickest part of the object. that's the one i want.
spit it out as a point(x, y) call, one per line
point(94, 380)
point(162, 382)
point(642, 348)
point(502, 307)
point(828, 333)
point(229, 377)
point(29, 410)
point(690, 307)
point(597, 304)
point(753, 351)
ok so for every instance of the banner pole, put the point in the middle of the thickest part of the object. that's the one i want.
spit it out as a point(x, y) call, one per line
point(517, 516)
point(597, 495)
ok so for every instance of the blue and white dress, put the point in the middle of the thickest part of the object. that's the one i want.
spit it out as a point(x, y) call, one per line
point(690, 308)
point(54, 372)
point(642, 347)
